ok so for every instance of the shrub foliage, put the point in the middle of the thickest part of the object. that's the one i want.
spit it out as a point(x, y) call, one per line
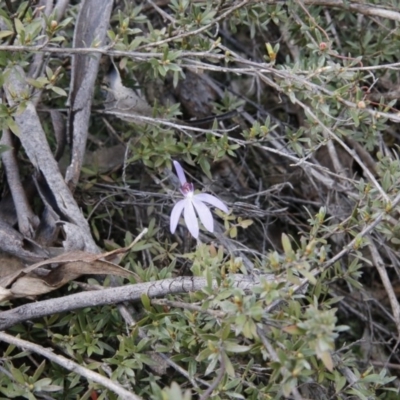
point(287, 111)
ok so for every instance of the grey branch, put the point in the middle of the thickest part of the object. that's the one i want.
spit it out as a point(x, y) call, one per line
point(91, 27)
point(69, 365)
point(27, 220)
point(114, 296)
point(34, 141)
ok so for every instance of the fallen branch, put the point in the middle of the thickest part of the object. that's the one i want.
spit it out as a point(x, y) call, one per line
point(69, 365)
point(114, 296)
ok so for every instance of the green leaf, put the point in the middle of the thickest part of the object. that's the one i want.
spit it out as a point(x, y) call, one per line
point(4, 34)
point(57, 39)
point(204, 354)
point(327, 360)
point(13, 126)
point(211, 366)
point(38, 83)
point(206, 167)
point(340, 382)
point(142, 245)
point(355, 114)
point(235, 348)
point(293, 330)
point(39, 371)
point(59, 91)
point(162, 70)
point(287, 246)
point(146, 302)
point(233, 232)
point(18, 375)
point(229, 368)
point(308, 275)
point(246, 223)
point(288, 386)
point(19, 27)
point(42, 384)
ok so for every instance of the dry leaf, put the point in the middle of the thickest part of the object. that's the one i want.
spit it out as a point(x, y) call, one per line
point(35, 285)
point(35, 280)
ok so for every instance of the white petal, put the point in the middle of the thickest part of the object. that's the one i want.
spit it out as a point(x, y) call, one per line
point(208, 198)
point(191, 219)
point(180, 172)
point(204, 213)
point(175, 214)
